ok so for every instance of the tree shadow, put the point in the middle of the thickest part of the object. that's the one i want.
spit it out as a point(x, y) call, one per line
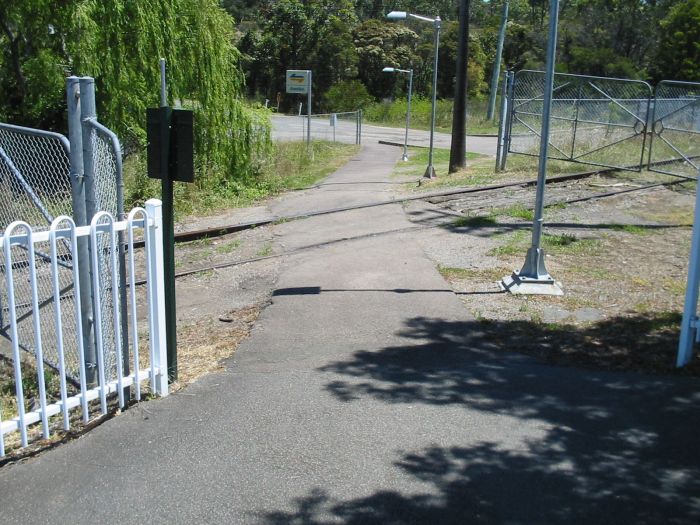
point(614, 448)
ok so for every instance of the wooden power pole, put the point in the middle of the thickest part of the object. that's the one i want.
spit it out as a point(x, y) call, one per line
point(458, 149)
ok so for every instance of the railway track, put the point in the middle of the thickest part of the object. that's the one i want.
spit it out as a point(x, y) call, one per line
point(562, 189)
point(454, 194)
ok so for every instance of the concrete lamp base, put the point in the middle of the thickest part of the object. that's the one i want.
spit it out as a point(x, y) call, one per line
point(517, 285)
point(430, 173)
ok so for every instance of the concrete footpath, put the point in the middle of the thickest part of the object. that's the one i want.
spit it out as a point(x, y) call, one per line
point(366, 394)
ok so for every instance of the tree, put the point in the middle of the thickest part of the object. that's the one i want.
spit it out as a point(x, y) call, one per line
point(379, 45)
point(678, 56)
point(33, 61)
point(312, 35)
point(348, 95)
point(476, 64)
point(119, 42)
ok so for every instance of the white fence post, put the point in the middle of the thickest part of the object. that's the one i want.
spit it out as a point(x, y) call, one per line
point(156, 289)
point(689, 326)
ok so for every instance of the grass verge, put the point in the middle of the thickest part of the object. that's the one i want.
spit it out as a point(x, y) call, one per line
point(290, 167)
point(393, 114)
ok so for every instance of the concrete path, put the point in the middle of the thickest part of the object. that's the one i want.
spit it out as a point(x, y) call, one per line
point(366, 394)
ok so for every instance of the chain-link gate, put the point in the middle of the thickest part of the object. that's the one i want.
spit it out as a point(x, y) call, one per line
point(675, 137)
point(594, 120)
point(36, 187)
point(105, 161)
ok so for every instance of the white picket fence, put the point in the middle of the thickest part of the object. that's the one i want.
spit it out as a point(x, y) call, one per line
point(103, 229)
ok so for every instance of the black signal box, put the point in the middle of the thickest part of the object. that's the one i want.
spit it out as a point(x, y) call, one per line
point(170, 151)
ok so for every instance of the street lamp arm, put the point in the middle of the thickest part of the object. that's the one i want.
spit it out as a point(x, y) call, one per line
point(425, 18)
point(403, 15)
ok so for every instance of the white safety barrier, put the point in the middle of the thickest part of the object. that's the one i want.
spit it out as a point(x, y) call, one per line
point(18, 243)
point(690, 335)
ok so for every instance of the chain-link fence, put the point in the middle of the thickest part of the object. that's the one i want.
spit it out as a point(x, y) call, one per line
point(38, 184)
point(35, 188)
point(333, 127)
point(675, 137)
point(34, 176)
point(105, 162)
point(594, 120)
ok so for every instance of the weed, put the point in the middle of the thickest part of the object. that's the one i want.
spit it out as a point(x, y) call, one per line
point(475, 222)
point(265, 251)
point(515, 243)
point(228, 247)
point(519, 212)
point(630, 228)
point(569, 244)
point(674, 286)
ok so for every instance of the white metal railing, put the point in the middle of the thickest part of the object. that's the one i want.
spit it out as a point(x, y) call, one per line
point(690, 332)
point(20, 236)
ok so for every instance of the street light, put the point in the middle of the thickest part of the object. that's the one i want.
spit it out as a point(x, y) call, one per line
point(403, 15)
point(497, 65)
point(534, 278)
point(408, 108)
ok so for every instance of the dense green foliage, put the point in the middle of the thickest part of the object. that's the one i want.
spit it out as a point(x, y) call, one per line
point(641, 39)
point(220, 50)
point(679, 49)
point(119, 42)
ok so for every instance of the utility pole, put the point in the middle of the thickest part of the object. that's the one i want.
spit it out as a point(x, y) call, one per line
point(458, 148)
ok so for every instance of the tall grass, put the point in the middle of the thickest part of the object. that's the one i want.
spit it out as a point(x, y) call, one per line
point(394, 114)
point(290, 166)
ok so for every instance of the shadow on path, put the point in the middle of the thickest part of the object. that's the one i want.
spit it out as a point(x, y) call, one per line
point(616, 448)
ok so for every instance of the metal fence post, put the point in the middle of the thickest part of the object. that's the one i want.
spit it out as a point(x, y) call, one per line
point(689, 327)
point(87, 113)
point(502, 121)
point(508, 119)
point(77, 178)
point(156, 294)
point(359, 134)
point(497, 64)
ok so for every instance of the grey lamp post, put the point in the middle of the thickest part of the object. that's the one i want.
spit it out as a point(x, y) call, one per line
point(408, 107)
point(534, 278)
point(403, 15)
point(497, 64)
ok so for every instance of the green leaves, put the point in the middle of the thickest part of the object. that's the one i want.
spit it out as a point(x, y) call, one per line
point(679, 46)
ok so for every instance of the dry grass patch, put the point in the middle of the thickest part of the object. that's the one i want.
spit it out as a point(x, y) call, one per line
point(205, 344)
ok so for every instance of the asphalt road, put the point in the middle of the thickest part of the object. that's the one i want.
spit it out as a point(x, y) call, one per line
point(287, 128)
point(366, 394)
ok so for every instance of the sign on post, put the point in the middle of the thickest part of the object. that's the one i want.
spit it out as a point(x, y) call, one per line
point(298, 81)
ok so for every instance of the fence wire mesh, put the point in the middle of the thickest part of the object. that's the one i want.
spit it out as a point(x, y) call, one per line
point(35, 188)
point(106, 155)
point(107, 169)
point(34, 176)
point(597, 121)
point(675, 138)
point(333, 127)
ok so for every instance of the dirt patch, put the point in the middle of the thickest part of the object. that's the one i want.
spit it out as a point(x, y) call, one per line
point(622, 262)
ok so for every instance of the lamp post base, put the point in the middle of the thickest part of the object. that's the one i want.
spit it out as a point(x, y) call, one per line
point(517, 285)
point(404, 157)
point(533, 279)
point(430, 173)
